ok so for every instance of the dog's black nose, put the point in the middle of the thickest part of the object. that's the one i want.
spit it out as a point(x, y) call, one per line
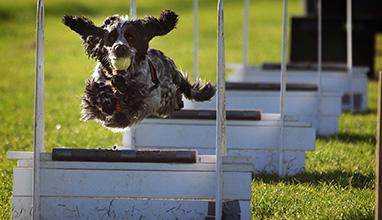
point(120, 50)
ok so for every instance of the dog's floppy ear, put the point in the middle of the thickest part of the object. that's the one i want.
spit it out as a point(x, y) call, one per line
point(83, 26)
point(159, 26)
point(91, 35)
point(110, 20)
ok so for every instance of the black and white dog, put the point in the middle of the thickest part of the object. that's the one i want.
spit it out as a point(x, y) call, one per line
point(131, 81)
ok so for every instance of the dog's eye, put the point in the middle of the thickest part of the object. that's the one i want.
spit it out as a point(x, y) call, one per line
point(128, 36)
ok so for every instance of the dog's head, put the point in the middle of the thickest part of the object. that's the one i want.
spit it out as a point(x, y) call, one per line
point(120, 39)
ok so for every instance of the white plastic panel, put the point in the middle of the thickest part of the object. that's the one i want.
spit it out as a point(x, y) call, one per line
point(63, 208)
point(132, 184)
point(188, 135)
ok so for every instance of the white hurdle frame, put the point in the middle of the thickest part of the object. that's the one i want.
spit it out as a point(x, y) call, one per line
point(221, 113)
point(38, 139)
point(39, 108)
point(349, 51)
point(283, 79)
point(319, 56)
point(131, 142)
point(196, 41)
point(133, 9)
point(220, 104)
point(245, 61)
point(245, 33)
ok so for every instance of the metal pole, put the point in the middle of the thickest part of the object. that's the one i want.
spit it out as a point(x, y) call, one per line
point(245, 32)
point(319, 56)
point(378, 196)
point(130, 142)
point(38, 140)
point(349, 51)
point(283, 86)
point(133, 9)
point(220, 119)
point(196, 29)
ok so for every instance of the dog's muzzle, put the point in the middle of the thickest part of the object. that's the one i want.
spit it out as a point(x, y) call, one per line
point(120, 50)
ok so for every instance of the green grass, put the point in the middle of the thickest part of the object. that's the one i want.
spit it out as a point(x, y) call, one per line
point(339, 178)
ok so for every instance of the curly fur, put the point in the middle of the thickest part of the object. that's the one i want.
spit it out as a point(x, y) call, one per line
point(150, 85)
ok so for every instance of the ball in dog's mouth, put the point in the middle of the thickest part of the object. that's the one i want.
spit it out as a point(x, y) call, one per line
point(121, 63)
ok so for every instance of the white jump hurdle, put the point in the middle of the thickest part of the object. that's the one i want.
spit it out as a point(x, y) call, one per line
point(256, 139)
point(333, 80)
point(301, 105)
point(264, 140)
point(48, 189)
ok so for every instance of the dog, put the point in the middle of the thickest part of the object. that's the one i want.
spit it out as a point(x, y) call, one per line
point(131, 81)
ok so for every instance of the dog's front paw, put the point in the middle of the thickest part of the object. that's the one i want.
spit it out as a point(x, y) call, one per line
point(108, 105)
point(119, 83)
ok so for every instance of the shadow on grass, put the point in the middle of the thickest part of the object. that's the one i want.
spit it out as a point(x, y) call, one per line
point(369, 111)
point(336, 178)
point(353, 138)
point(356, 214)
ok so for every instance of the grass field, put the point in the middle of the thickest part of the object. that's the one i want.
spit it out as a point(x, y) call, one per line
point(339, 178)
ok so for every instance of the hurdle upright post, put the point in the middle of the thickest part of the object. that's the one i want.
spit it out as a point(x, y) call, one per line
point(133, 9)
point(221, 114)
point(245, 32)
point(378, 195)
point(349, 51)
point(283, 80)
point(319, 57)
point(196, 40)
point(38, 139)
point(129, 140)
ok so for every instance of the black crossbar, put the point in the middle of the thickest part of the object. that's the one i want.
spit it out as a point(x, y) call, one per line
point(248, 86)
point(307, 66)
point(109, 155)
point(204, 114)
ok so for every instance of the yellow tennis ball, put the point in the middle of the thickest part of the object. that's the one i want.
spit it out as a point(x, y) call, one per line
point(121, 63)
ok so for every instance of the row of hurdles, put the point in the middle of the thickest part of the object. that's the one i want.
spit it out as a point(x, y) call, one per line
point(307, 113)
point(168, 168)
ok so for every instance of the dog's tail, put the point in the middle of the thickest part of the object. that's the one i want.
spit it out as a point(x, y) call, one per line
point(197, 91)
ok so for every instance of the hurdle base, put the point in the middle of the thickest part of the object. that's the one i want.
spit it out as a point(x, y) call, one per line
point(118, 190)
